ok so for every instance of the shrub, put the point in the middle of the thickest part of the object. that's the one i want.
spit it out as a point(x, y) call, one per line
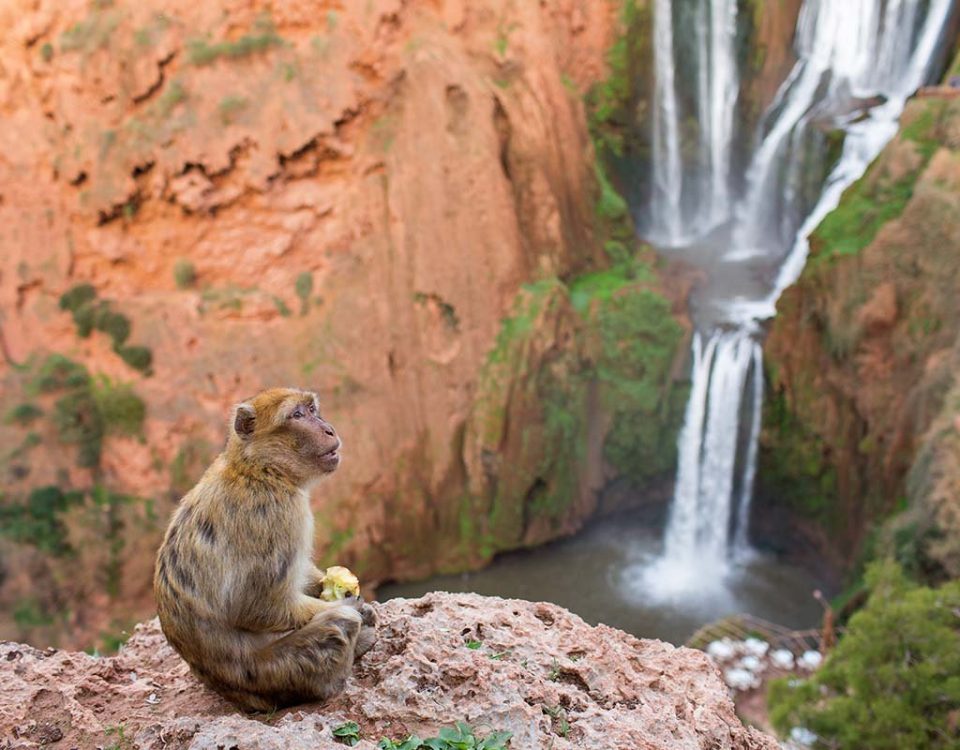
point(121, 410)
point(23, 414)
point(57, 373)
point(78, 296)
point(893, 681)
point(79, 422)
point(184, 273)
point(138, 357)
point(304, 287)
point(37, 520)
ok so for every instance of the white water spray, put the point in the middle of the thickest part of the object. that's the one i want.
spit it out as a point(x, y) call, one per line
point(848, 51)
point(689, 199)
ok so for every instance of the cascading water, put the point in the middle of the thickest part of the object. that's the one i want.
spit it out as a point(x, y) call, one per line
point(689, 199)
point(850, 53)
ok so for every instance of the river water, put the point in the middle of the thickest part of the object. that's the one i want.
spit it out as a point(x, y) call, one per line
point(600, 575)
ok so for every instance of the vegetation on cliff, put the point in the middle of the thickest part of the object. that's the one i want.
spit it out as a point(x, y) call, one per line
point(893, 680)
point(861, 359)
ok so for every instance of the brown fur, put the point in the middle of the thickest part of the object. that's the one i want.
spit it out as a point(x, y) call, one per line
point(234, 581)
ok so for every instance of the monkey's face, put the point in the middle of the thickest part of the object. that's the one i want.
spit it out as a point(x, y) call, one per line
point(283, 428)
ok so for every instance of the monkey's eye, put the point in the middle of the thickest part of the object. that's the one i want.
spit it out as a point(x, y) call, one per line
point(297, 414)
point(312, 408)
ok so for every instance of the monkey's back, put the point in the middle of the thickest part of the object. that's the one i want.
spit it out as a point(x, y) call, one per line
point(224, 561)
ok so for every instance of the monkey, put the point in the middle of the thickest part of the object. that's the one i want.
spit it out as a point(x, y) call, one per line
point(236, 589)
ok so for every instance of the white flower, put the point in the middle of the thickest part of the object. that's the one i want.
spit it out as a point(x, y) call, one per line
point(782, 659)
point(756, 647)
point(740, 679)
point(810, 660)
point(722, 650)
point(751, 664)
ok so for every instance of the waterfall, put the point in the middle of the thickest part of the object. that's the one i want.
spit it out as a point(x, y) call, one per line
point(689, 199)
point(850, 54)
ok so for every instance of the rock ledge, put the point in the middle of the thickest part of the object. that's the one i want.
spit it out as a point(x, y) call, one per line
point(533, 660)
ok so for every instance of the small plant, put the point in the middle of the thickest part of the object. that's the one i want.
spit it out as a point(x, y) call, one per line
point(460, 737)
point(304, 288)
point(46, 52)
point(559, 716)
point(347, 733)
point(230, 108)
point(474, 644)
point(262, 37)
point(554, 674)
point(121, 741)
point(282, 307)
point(173, 95)
point(184, 274)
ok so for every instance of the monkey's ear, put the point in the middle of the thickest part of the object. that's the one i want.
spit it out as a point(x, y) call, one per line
point(244, 420)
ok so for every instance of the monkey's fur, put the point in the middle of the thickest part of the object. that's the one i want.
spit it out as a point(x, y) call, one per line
point(235, 585)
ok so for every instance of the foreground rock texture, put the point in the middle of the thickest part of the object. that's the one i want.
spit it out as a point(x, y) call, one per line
point(864, 354)
point(345, 196)
point(539, 672)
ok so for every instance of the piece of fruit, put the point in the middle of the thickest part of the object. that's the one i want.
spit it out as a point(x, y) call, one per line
point(338, 583)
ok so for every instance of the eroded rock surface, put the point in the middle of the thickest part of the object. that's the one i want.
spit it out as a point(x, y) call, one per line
point(537, 666)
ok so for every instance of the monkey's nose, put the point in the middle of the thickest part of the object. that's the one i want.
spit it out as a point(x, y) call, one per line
point(328, 428)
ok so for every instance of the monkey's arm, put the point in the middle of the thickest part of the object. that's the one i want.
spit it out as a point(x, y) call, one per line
point(314, 585)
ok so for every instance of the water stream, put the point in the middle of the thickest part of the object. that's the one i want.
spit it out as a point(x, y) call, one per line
point(857, 62)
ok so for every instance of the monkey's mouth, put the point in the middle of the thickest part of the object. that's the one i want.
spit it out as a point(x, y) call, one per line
point(331, 455)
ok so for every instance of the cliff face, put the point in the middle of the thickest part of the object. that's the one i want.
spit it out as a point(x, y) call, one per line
point(533, 670)
point(863, 357)
point(394, 203)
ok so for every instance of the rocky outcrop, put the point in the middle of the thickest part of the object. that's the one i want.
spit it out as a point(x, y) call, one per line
point(351, 197)
point(534, 670)
point(863, 356)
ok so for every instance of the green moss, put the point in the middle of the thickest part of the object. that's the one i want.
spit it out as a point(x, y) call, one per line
point(794, 467)
point(262, 37)
point(878, 197)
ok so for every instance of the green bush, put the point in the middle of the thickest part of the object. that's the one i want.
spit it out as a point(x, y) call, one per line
point(121, 410)
point(37, 520)
point(304, 288)
point(57, 373)
point(23, 414)
point(78, 296)
point(138, 357)
point(184, 273)
point(893, 681)
point(79, 422)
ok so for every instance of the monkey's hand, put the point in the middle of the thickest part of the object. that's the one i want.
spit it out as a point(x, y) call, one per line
point(315, 579)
